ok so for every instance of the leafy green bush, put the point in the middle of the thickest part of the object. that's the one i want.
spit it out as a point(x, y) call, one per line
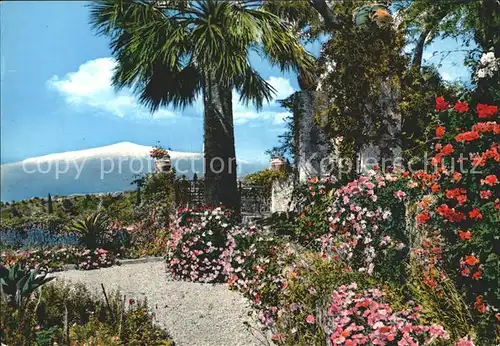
point(264, 179)
point(90, 320)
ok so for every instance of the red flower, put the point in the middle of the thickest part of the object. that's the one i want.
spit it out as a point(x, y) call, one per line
point(465, 235)
point(423, 217)
point(485, 127)
point(467, 136)
point(131, 301)
point(471, 260)
point(457, 176)
point(435, 187)
point(461, 107)
point(441, 104)
point(490, 180)
point(479, 305)
point(486, 111)
point(475, 214)
point(447, 149)
point(440, 131)
point(477, 275)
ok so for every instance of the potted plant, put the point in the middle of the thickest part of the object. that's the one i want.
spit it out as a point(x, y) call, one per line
point(162, 159)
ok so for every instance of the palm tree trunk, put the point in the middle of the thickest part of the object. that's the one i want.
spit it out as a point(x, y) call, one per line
point(219, 151)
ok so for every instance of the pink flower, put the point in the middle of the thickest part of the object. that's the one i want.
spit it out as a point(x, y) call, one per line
point(310, 319)
point(400, 195)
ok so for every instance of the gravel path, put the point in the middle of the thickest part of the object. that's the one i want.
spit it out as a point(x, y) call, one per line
point(193, 314)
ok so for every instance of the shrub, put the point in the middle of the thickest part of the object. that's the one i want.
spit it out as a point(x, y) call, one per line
point(461, 219)
point(254, 263)
point(54, 259)
point(90, 229)
point(90, 319)
point(195, 251)
point(368, 226)
point(264, 180)
point(309, 221)
point(94, 259)
point(356, 317)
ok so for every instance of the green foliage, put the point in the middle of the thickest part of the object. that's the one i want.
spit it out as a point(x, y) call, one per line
point(364, 59)
point(91, 321)
point(190, 39)
point(264, 180)
point(91, 229)
point(309, 221)
point(18, 283)
point(469, 21)
point(158, 195)
point(446, 306)
point(50, 207)
point(419, 90)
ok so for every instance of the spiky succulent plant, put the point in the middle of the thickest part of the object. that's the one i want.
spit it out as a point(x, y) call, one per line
point(18, 283)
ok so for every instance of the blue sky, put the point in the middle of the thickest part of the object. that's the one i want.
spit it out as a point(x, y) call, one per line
point(55, 92)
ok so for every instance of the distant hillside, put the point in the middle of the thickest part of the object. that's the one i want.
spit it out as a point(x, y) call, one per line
point(98, 170)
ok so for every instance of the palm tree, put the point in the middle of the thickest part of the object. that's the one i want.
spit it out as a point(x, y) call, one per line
point(172, 51)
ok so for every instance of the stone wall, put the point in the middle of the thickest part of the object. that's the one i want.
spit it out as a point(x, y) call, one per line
point(312, 145)
point(281, 196)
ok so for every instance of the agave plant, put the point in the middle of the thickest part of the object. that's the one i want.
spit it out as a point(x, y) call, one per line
point(90, 229)
point(18, 283)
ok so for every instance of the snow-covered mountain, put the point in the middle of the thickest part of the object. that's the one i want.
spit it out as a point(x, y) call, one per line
point(110, 168)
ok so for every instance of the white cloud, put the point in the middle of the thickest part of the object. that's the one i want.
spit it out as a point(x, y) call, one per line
point(91, 86)
point(275, 118)
point(282, 86)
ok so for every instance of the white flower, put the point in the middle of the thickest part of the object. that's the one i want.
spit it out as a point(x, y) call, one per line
point(488, 65)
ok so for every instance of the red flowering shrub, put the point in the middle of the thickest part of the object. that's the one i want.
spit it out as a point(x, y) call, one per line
point(461, 218)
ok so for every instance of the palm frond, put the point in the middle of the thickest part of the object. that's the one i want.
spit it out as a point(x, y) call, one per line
point(253, 88)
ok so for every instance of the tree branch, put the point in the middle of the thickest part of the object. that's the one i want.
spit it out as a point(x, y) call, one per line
point(419, 49)
point(331, 22)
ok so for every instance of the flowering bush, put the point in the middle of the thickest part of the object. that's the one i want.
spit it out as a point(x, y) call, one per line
point(54, 259)
point(254, 265)
point(309, 221)
point(195, 251)
point(367, 224)
point(360, 317)
point(460, 218)
point(94, 259)
point(48, 260)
